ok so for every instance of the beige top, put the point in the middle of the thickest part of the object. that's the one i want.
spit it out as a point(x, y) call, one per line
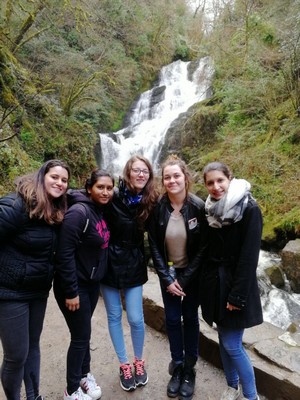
point(176, 238)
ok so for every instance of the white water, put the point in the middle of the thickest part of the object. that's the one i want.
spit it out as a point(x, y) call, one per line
point(149, 123)
point(280, 307)
point(145, 135)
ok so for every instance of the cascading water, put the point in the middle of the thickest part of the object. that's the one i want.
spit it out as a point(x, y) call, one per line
point(280, 307)
point(156, 109)
point(149, 121)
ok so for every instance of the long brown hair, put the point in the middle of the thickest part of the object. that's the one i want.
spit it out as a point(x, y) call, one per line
point(150, 193)
point(39, 205)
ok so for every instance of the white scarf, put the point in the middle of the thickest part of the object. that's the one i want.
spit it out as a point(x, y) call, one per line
point(230, 208)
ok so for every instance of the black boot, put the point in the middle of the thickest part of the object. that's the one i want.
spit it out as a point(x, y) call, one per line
point(187, 386)
point(175, 381)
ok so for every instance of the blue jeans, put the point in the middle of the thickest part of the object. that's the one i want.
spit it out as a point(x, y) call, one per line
point(236, 362)
point(21, 324)
point(182, 323)
point(80, 326)
point(135, 316)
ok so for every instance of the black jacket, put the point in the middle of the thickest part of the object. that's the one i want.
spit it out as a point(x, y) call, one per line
point(27, 248)
point(81, 256)
point(193, 214)
point(229, 272)
point(126, 261)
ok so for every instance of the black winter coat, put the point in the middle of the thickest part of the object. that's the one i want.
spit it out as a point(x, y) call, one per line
point(126, 261)
point(27, 248)
point(83, 245)
point(229, 272)
point(194, 218)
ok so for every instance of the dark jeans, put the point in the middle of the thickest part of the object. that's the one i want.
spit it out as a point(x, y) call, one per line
point(79, 324)
point(182, 323)
point(21, 324)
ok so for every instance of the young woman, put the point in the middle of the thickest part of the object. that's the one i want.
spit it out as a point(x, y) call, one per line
point(29, 220)
point(228, 286)
point(127, 270)
point(81, 263)
point(174, 237)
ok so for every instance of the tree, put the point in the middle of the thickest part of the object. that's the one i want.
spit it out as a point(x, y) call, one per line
point(75, 94)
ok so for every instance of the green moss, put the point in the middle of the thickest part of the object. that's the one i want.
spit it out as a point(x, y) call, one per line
point(14, 161)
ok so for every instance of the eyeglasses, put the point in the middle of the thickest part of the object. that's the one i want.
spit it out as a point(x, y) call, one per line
point(138, 171)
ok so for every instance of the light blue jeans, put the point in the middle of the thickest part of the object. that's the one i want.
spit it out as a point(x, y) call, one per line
point(236, 362)
point(135, 317)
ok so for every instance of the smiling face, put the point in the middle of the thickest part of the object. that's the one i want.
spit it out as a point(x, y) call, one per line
point(217, 184)
point(102, 190)
point(56, 181)
point(174, 180)
point(139, 175)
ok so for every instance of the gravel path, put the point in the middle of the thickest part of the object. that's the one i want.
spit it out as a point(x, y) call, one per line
point(210, 381)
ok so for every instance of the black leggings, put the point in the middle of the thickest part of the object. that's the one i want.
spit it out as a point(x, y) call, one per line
point(21, 324)
point(79, 324)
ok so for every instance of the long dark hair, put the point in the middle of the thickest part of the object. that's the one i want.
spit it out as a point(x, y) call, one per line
point(217, 166)
point(150, 193)
point(39, 205)
point(95, 175)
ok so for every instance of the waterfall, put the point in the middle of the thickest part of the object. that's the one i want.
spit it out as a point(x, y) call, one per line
point(151, 116)
point(280, 307)
point(149, 119)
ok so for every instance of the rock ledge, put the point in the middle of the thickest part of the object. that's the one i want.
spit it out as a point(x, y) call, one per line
point(276, 359)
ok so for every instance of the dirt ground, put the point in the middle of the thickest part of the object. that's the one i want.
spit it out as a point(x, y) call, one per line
point(210, 381)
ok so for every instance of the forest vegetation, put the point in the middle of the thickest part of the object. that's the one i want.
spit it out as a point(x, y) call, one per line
point(70, 69)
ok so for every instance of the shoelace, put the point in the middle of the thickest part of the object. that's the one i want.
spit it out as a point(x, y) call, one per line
point(126, 371)
point(139, 367)
point(91, 382)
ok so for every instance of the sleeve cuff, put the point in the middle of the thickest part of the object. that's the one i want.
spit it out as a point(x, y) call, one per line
point(237, 300)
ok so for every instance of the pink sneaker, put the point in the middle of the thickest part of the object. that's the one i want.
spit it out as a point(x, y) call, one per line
point(127, 381)
point(140, 374)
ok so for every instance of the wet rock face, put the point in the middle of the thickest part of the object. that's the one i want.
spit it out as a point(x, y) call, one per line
point(276, 276)
point(195, 128)
point(291, 263)
point(158, 94)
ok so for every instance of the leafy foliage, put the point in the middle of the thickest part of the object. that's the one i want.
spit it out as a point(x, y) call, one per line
point(70, 69)
point(255, 45)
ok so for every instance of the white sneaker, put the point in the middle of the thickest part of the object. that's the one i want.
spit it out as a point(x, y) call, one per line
point(78, 395)
point(90, 387)
point(230, 394)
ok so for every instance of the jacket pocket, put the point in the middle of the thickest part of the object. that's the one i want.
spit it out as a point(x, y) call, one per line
point(12, 272)
point(98, 271)
point(38, 275)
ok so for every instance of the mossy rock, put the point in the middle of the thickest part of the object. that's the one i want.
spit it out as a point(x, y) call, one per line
point(276, 276)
